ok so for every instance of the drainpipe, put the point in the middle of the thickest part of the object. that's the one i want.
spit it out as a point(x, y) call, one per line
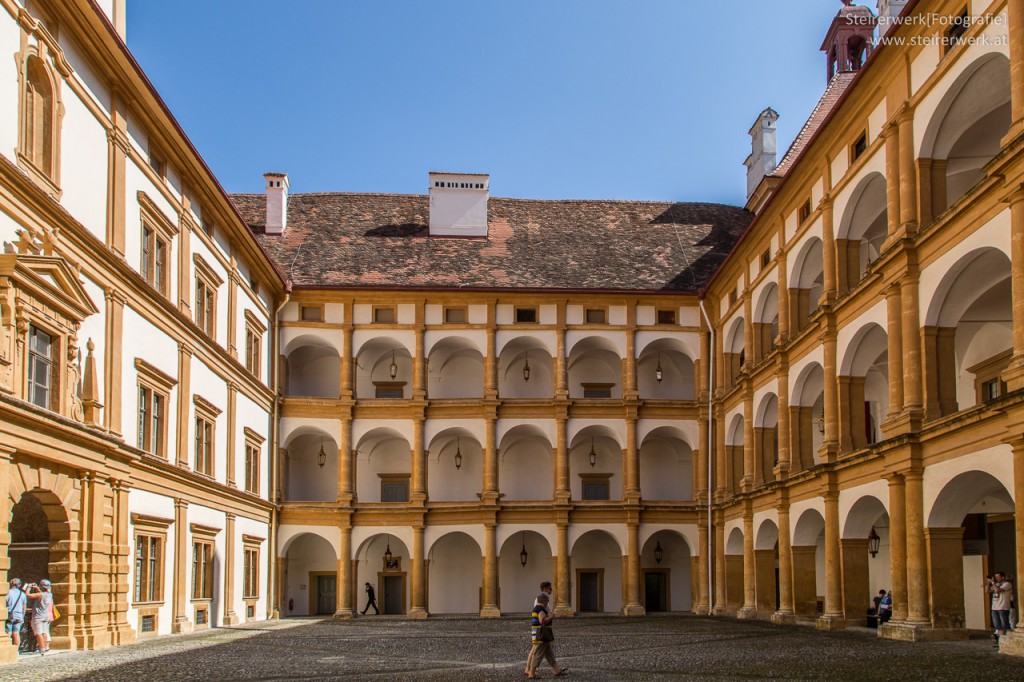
point(711, 441)
point(275, 373)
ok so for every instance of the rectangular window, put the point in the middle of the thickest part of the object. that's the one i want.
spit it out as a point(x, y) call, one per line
point(384, 315)
point(207, 227)
point(202, 570)
point(955, 33)
point(152, 420)
point(157, 163)
point(251, 573)
point(252, 468)
point(41, 382)
point(153, 266)
point(149, 560)
point(147, 624)
point(766, 258)
point(253, 351)
point(204, 446)
point(455, 315)
point(394, 488)
point(805, 211)
point(389, 389)
point(597, 390)
point(526, 315)
point(859, 147)
point(312, 313)
point(595, 315)
point(666, 316)
point(206, 311)
point(595, 487)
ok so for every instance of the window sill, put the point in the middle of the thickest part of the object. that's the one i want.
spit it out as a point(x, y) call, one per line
point(39, 177)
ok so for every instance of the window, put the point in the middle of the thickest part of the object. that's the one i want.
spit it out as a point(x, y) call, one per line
point(733, 296)
point(254, 331)
point(157, 163)
point(666, 316)
point(207, 282)
point(389, 389)
point(859, 147)
point(311, 313)
point(394, 487)
point(147, 624)
point(526, 315)
point(149, 560)
point(384, 315)
point(955, 33)
point(253, 455)
point(154, 389)
point(206, 418)
point(766, 258)
point(805, 211)
point(595, 486)
point(597, 390)
point(455, 315)
point(988, 383)
point(207, 227)
point(40, 126)
point(595, 315)
point(251, 572)
point(202, 561)
point(41, 378)
point(153, 265)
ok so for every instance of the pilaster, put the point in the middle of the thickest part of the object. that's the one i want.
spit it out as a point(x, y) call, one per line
point(230, 549)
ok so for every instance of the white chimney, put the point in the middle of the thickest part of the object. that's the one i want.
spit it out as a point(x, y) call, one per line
point(458, 204)
point(761, 161)
point(888, 12)
point(277, 202)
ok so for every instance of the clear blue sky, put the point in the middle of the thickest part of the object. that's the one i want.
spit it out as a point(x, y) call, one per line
point(623, 99)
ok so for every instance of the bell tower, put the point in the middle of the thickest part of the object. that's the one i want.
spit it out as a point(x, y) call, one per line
point(850, 39)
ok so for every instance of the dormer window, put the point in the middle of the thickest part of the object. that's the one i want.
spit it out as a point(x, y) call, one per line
point(41, 352)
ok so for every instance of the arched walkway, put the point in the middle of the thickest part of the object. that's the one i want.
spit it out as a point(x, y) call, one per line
point(808, 563)
point(596, 573)
point(455, 466)
point(666, 465)
point(865, 555)
point(310, 580)
point(383, 561)
point(667, 570)
point(525, 464)
point(519, 581)
point(734, 571)
point(455, 575)
point(862, 231)
point(766, 568)
point(455, 370)
point(525, 369)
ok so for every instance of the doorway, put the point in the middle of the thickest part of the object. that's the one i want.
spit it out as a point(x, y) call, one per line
point(589, 589)
point(656, 591)
point(392, 589)
point(326, 593)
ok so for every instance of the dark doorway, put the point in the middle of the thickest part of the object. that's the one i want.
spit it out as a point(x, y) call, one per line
point(326, 594)
point(394, 594)
point(590, 591)
point(655, 591)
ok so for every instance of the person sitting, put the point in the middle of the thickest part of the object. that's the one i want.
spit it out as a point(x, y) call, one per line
point(884, 606)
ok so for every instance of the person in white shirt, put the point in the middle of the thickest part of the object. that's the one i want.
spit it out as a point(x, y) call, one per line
point(1001, 592)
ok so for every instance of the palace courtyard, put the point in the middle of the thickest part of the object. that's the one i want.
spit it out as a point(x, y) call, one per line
point(592, 648)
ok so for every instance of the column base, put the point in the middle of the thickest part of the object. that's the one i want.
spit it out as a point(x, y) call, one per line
point(633, 610)
point(830, 622)
point(8, 653)
point(181, 625)
point(784, 618)
point(344, 614)
point(747, 613)
point(913, 632)
point(702, 609)
point(564, 612)
point(1012, 643)
point(231, 618)
point(490, 612)
point(722, 610)
point(417, 614)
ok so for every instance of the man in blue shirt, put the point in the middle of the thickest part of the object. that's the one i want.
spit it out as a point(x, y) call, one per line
point(15, 611)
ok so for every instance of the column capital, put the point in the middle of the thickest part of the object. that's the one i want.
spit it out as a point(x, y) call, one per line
point(180, 503)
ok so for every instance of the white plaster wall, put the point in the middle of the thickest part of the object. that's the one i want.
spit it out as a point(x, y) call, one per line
point(447, 483)
point(521, 584)
point(403, 338)
point(295, 337)
point(83, 171)
point(797, 365)
point(526, 470)
point(976, 601)
point(874, 164)
point(306, 555)
point(292, 427)
point(879, 574)
point(257, 529)
point(688, 428)
point(542, 337)
point(609, 461)
point(599, 551)
point(151, 504)
point(616, 339)
point(996, 461)
point(10, 43)
point(814, 231)
point(454, 575)
point(687, 531)
point(690, 341)
point(666, 471)
point(145, 341)
point(477, 337)
point(846, 333)
point(576, 426)
point(978, 341)
point(206, 384)
point(598, 367)
point(476, 428)
point(8, 228)
point(391, 456)
point(305, 479)
point(289, 533)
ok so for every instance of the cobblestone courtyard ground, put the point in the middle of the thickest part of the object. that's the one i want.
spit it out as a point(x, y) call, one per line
point(657, 648)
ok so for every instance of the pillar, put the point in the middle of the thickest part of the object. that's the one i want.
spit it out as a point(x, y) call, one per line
point(346, 357)
point(1015, 19)
point(784, 320)
point(490, 487)
point(344, 606)
point(419, 462)
point(749, 609)
point(1014, 374)
point(722, 461)
point(562, 606)
point(846, 410)
point(830, 442)
point(490, 578)
point(898, 547)
point(856, 589)
point(345, 457)
point(232, 435)
point(182, 569)
point(890, 132)
point(764, 590)
point(230, 549)
point(785, 613)
point(783, 426)
point(1014, 642)
point(490, 359)
point(917, 558)
point(908, 173)
point(828, 253)
point(946, 578)
point(419, 363)
point(703, 595)
point(748, 441)
point(632, 482)
point(858, 422)
point(120, 556)
point(633, 607)
point(894, 337)
point(561, 365)
point(562, 491)
point(118, 149)
point(925, 203)
point(911, 332)
point(833, 616)
point(112, 360)
point(629, 390)
point(721, 601)
point(417, 575)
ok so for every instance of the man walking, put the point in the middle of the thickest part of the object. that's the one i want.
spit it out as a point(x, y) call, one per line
point(371, 600)
point(545, 588)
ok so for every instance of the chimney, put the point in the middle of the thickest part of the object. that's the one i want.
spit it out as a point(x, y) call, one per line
point(277, 202)
point(888, 12)
point(762, 160)
point(458, 204)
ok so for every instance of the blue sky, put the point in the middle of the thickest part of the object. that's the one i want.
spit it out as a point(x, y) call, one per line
point(582, 99)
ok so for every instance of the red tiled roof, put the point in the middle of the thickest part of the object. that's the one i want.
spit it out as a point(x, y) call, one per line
point(382, 240)
point(833, 93)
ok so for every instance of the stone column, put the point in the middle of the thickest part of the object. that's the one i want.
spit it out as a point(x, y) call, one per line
point(908, 173)
point(828, 252)
point(1012, 643)
point(946, 579)
point(911, 332)
point(748, 331)
point(417, 575)
point(894, 334)
point(179, 604)
point(917, 556)
point(784, 320)
point(344, 607)
point(1014, 374)
point(1015, 19)
point(419, 365)
point(561, 365)
point(120, 631)
point(230, 548)
point(490, 578)
point(890, 132)
point(846, 410)
point(563, 608)
point(632, 491)
point(721, 606)
point(703, 606)
point(562, 490)
point(783, 427)
point(785, 614)
point(898, 547)
point(830, 442)
point(347, 391)
point(748, 440)
point(629, 390)
point(490, 487)
point(118, 147)
point(722, 460)
point(491, 360)
point(632, 606)
point(833, 616)
point(345, 457)
point(233, 285)
point(232, 435)
point(419, 463)
point(749, 609)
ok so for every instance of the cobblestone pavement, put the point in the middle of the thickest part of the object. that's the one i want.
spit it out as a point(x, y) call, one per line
point(593, 648)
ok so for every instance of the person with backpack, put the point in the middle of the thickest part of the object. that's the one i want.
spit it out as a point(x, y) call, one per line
point(16, 600)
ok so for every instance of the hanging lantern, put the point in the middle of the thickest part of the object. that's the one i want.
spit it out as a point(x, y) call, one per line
point(526, 369)
point(659, 553)
point(593, 453)
point(458, 454)
point(659, 373)
point(873, 542)
point(522, 553)
point(387, 553)
point(393, 367)
point(321, 458)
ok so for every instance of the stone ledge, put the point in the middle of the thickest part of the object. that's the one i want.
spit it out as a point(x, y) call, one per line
point(907, 632)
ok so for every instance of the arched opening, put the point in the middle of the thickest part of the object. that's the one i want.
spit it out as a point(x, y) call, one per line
point(864, 389)
point(456, 465)
point(734, 453)
point(970, 534)
point(595, 465)
point(595, 369)
point(766, 440)
point(965, 132)
point(865, 556)
point(735, 353)
point(766, 568)
point(666, 466)
point(666, 565)
point(596, 567)
point(313, 368)
point(455, 575)
point(862, 231)
point(677, 372)
point(968, 334)
point(305, 479)
point(383, 561)
point(525, 369)
point(383, 370)
point(455, 369)
point(766, 322)
point(311, 577)
point(807, 417)
point(808, 564)
point(525, 464)
point(806, 284)
point(524, 563)
point(734, 571)
point(383, 467)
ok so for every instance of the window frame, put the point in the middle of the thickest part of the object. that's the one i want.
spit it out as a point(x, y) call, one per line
point(207, 285)
point(859, 146)
point(206, 414)
point(319, 307)
point(203, 536)
point(53, 384)
point(152, 528)
point(251, 567)
point(253, 444)
point(383, 311)
point(597, 387)
point(164, 231)
point(659, 312)
point(530, 311)
point(460, 309)
point(394, 479)
point(157, 384)
point(596, 479)
point(36, 168)
point(601, 312)
point(254, 332)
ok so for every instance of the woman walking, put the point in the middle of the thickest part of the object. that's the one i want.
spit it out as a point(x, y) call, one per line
point(542, 637)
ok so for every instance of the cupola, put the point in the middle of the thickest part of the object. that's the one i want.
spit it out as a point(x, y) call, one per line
point(850, 39)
